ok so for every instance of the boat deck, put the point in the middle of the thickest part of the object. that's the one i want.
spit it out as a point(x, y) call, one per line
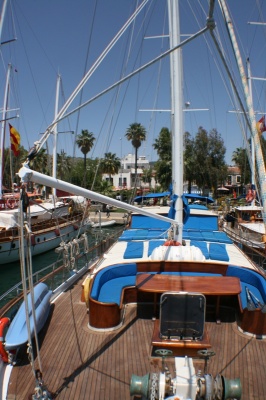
point(78, 363)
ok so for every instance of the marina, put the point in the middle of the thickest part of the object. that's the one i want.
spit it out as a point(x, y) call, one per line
point(161, 305)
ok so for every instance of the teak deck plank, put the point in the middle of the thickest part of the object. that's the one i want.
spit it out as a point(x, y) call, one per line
point(79, 363)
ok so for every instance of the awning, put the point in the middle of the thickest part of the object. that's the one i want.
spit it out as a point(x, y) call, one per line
point(193, 196)
point(151, 196)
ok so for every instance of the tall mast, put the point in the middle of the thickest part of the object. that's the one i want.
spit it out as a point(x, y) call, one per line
point(253, 162)
point(55, 131)
point(254, 132)
point(2, 16)
point(3, 127)
point(176, 113)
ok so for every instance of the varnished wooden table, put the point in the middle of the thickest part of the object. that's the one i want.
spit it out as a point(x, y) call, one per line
point(207, 285)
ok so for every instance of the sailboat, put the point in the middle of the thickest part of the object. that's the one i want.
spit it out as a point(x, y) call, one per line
point(244, 222)
point(174, 299)
point(52, 221)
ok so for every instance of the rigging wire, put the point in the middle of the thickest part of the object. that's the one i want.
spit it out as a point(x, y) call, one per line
point(85, 69)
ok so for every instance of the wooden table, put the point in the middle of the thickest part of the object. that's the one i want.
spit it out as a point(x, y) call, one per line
point(207, 285)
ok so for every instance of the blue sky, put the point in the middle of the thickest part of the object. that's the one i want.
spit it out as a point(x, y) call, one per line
point(58, 36)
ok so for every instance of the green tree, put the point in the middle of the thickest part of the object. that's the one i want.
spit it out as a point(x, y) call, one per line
point(63, 165)
point(163, 145)
point(189, 161)
point(136, 133)
point(163, 167)
point(240, 158)
point(147, 176)
point(105, 188)
point(110, 164)
point(40, 162)
point(216, 160)
point(85, 143)
point(163, 174)
point(209, 162)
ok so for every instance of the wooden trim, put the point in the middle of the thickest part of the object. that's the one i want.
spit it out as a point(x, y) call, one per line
point(108, 315)
point(179, 348)
point(253, 322)
point(103, 315)
point(183, 266)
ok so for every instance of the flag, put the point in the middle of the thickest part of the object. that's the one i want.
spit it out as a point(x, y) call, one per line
point(261, 127)
point(14, 140)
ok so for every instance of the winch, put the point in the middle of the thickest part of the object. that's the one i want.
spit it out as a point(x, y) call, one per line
point(187, 385)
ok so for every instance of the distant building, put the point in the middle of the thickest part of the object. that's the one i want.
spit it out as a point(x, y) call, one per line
point(125, 179)
point(233, 177)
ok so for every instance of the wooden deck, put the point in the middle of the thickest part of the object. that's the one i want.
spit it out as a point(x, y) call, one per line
point(78, 363)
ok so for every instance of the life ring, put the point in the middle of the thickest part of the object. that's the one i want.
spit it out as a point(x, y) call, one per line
point(4, 323)
point(171, 243)
point(251, 195)
point(11, 203)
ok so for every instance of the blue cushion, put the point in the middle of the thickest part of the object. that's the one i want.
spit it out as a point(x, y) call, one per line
point(195, 235)
point(217, 251)
point(208, 236)
point(133, 250)
point(110, 273)
point(222, 237)
point(145, 222)
point(250, 278)
point(196, 222)
point(111, 291)
point(254, 291)
point(202, 246)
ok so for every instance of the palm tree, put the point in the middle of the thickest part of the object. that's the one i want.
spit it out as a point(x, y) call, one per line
point(85, 143)
point(63, 164)
point(137, 134)
point(110, 164)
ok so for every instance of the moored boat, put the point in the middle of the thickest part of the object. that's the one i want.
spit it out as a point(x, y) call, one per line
point(99, 349)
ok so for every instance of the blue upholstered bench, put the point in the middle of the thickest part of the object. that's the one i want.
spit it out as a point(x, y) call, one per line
point(108, 283)
point(217, 251)
point(251, 280)
point(134, 250)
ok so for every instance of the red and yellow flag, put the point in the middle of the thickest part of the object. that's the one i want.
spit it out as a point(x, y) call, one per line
point(261, 127)
point(14, 140)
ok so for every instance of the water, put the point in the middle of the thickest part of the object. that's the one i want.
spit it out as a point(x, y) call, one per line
point(10, 274)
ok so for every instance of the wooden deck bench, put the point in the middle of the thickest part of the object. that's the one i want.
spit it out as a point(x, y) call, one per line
point(111, 288)
point(115, 286)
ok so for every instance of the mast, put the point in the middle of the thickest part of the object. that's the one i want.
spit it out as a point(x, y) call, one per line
point(176, 114)
point(2, 16)
point(55, 131)
point(3, 127)
point(254, 132)
point(253, 166)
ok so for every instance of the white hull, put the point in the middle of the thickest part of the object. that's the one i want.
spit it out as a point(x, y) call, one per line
point(103, 224)
point(246, 227)
point(41, 241)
